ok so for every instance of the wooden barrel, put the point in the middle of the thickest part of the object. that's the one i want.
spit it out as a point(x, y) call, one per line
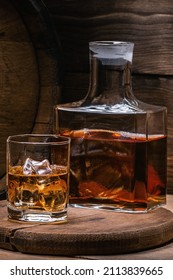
point(30, 80)
point(146, 23)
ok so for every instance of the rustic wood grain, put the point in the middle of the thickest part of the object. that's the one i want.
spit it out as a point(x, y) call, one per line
point(88, 231)
point(159, 253)
point(18, 94)
point(148, 24)
point(12, 255)
point(30, 81)
point(48, 52)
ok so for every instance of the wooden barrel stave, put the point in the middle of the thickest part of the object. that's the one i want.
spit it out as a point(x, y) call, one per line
point(30, 83)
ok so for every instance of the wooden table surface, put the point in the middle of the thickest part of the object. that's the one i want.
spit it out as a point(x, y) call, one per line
point(164, 252)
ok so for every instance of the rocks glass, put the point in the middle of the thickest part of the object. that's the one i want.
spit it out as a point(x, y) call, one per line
point(38, 177)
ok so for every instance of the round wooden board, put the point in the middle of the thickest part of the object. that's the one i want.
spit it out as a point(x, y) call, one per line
point(88, 231)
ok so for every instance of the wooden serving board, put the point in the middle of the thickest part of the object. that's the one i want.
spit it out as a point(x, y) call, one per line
point(88, 231)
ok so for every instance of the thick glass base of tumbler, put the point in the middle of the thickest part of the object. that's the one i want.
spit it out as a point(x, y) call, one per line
point(39, 216)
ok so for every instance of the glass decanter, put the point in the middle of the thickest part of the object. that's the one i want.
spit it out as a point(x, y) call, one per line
point(118, 143)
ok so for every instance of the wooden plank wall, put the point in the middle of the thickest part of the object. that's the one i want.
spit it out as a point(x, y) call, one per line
point(149, 24)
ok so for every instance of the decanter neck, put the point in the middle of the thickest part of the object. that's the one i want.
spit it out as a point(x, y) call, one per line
point(110, 83)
